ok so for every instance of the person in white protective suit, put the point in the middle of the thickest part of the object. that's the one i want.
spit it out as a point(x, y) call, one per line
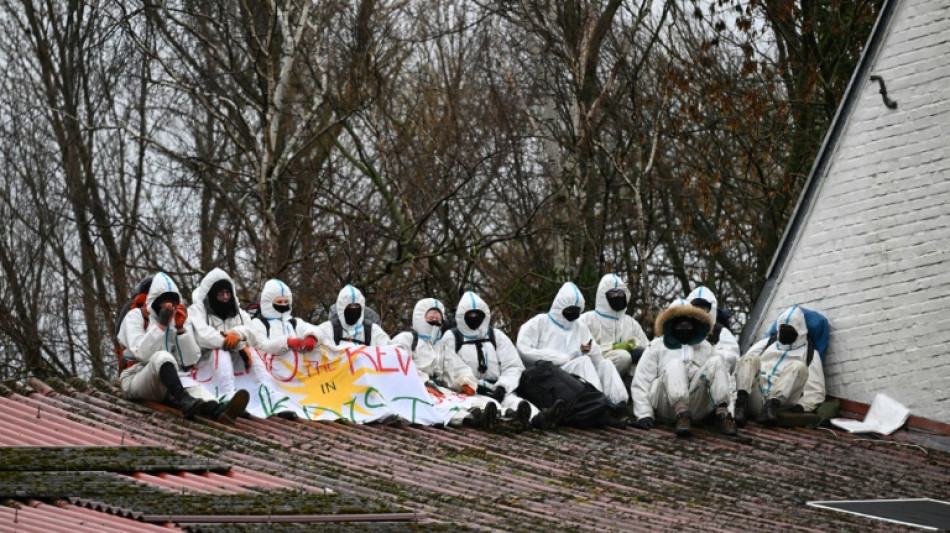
point(775, 374)
point(495, 361)
point(350, 328)
point(619, 336)
point(277, 332)
point(222, 331)
point(160, 340)
point(680, 376)
point(440, 368)
point(719, 336)
point(558, 336)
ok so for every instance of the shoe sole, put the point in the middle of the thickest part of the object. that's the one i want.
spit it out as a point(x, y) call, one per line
point(490, 417)
point(236, 407)
point(523, 416)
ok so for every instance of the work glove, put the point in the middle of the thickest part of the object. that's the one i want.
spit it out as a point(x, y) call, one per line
point(166, 313)
point(467, 390)
point(309, 343)
point(295, 344)
point(231, 340)
point(645, 423)
point(484, 391)
point(181, 315)
point(499, 393)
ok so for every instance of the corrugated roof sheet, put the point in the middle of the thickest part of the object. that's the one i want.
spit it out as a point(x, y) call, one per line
point(591, 480)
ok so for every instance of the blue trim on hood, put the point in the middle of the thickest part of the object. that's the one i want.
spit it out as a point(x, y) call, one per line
point(556, 323)
point(577, 294)
point(598, 313)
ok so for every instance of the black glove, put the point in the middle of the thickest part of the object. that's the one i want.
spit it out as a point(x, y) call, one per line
point(645, 423)
point(499, 393)
point(165, 315)
point(484, 391)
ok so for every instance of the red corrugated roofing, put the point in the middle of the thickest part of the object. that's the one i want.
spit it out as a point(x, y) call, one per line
point(27, 422)
point(585, 480)
point(38, 517)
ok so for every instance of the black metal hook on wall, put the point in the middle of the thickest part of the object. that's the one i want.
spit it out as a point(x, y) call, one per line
point(891, 104)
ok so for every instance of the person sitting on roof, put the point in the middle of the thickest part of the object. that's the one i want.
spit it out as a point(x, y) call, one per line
point(495, 362)
point(440, 369)
point(680, 376)
point(719, 336)
point(222, 330)
point(276, 332)
point(350, 323)
point(558, 336)
point(619, 336)
point(160, 341)
point(776, 373)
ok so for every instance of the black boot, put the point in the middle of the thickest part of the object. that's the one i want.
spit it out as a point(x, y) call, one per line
point(726, 424)
point(770, 415)
point(549, 418)
point(176, 395)
point(742, 408)
point(523, 416)
point(228, 412)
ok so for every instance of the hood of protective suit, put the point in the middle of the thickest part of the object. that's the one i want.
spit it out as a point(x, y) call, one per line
point(795, 317)
point(706, 294)
point(681, 308)
point(567, 296)
point(274, 288)
point(422, 328)
point(200, 294)
point(468, 302)
point(601, 306)
point(350, 295)
point(161, 284)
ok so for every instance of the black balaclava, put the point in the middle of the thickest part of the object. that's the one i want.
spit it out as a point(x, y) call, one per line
point(571, 313)
point(474, 318)
point(617, 299)
point(351, 314)
point(223, 310)
point(702, 303)
point(683, 330)
point(157, 303)
point(787, 334)
point(435, 321)
point(281, 308)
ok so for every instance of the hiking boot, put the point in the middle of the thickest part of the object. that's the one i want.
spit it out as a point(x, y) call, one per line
point(490, 417)
point(474, 418)
point(227, 412)
point(684, 427)
point(618, 418)
point(549, 418)
point(742, 408)
point(726, 425)
point(188, 405)
point(523, 416)
point(770, 414)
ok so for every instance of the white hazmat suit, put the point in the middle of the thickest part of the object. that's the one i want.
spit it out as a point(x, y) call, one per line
point(727, 345)
point(355, 333)
point(673, 376)
point(611, 327)
point(551, 337)
point(776, 371)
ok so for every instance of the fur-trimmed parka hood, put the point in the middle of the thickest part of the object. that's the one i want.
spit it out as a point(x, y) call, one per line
point(679, 309)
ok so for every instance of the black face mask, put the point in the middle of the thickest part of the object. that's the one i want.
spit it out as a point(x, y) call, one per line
point(160, 301)
point(474, 319)
point(434, 322)
point(351, 315)
point(282, 308)
point(684, 331)
point(617, 299)
point(223, 310)
point(702, 303)
point(787, 334)
point(571, 313)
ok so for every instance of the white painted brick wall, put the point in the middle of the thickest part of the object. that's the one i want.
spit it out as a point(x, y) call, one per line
point(874, 255)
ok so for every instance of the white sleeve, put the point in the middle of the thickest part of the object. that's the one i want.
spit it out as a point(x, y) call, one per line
point(140, 344)
point(728, 346)
point(272, 341)
point(529, 340)
point(647, 372)
point(380, 337)
point(510, 361)
point(205, 335)
point(814, 393)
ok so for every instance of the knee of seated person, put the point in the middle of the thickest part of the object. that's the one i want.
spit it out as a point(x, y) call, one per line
point(795, 367)
point(160, 358)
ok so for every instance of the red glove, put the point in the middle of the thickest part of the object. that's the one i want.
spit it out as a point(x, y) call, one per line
point(231, 340)
point(468, 390)
point(181, 315)
point(295, 344)
point(165, 314)
point(309, 343)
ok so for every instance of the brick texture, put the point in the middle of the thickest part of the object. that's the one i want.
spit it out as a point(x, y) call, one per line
point(874, 253)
